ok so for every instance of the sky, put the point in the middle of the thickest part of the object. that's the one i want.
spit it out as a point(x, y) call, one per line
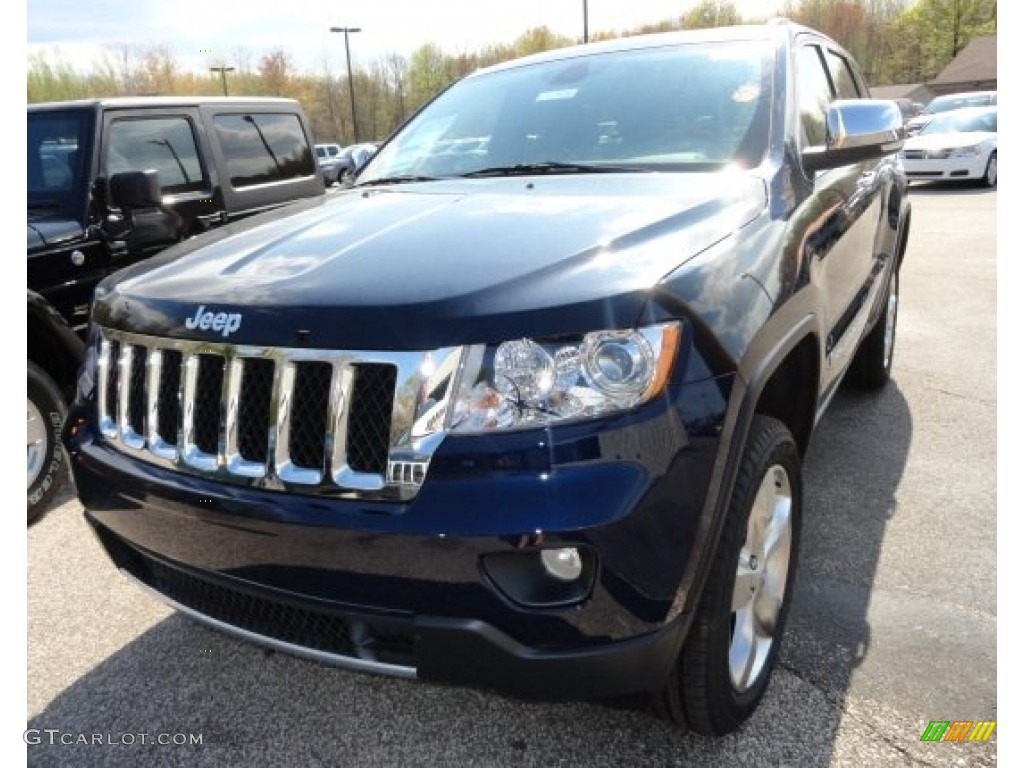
point(204, 32)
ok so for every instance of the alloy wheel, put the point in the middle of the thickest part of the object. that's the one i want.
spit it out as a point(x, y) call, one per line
point(761, 575)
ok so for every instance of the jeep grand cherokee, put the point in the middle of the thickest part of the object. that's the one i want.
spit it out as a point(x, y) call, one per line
point(525, 407)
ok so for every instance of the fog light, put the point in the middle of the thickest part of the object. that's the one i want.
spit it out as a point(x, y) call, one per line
point(564, 564)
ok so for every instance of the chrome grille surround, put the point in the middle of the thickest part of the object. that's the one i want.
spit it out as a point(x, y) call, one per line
point(926, 154)
point(415, 430)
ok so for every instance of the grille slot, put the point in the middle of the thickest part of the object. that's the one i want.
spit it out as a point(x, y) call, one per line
point(206, 411)
point(311, 393)
point(169, 405)
point(137, 391)
point(112, 376)
point(254, 409)
point(369, 425)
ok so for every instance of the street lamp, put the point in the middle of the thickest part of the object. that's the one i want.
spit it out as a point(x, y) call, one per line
point(586, 34)
point(351, 88)
point(223, 76)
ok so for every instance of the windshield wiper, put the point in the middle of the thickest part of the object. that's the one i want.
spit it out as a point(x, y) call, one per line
point(406, 179)
point(550, 166)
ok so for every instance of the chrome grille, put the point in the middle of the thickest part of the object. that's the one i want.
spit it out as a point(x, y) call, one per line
point(319, 421)
point(926, 154)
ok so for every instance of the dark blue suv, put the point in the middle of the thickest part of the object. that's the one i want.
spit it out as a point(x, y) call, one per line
point(525, 406)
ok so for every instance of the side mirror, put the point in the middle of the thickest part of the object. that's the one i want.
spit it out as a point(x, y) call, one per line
point(360, 158)
point(856, 130)
point(135, 189)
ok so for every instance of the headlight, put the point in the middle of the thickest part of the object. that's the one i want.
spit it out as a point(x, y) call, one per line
point(972, 151)
point(530, 383)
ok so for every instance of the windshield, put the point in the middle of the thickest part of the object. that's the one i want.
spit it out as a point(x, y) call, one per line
point(948, 103)
point(56, 167)
point(963, 122)
point(678, 108)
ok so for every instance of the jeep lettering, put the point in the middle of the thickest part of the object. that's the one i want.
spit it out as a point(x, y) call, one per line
point(226, 323)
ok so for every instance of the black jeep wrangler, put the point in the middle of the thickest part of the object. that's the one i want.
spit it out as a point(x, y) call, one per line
point(113, 181)
point(526, 406)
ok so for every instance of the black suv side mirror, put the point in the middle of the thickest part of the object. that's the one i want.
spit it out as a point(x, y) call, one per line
point(135, 189)
point(856, 130)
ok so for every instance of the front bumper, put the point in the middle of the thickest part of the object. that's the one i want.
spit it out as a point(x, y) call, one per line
point(403, 588)
point(431, 648)
point(949, 169)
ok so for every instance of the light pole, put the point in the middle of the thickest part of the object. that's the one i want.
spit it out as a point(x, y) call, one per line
point(586, 33)
point(351, 88)
point(223, 76)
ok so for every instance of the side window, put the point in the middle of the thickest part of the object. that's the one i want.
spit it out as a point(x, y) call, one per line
point(846, 86)
point(262, 148)
point(164, 144)
point(814, 94)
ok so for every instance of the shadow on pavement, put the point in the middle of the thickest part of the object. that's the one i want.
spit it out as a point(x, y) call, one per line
point(854, 465)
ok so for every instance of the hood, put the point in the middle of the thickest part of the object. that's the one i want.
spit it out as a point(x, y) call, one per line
point(51, 229)
point(947, 140)
point(433, 264)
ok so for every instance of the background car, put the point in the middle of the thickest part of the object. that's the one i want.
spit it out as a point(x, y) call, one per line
point(948, 103)
point(909, 108)
point(355, 156)
point(956, 145)
point(329, 163)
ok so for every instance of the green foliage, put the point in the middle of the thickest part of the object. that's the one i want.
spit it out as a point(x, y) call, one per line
point(711, 13)
point(923, 39)
point(893, 42)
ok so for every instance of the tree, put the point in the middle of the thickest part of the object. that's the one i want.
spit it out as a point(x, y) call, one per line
point(428, 74)
point(275, 72)
point(918, 44)
point(711, 13)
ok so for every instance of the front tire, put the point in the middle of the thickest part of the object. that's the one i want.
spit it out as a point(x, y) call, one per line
point(47, 471)
point(989, 178)
point(725, 665)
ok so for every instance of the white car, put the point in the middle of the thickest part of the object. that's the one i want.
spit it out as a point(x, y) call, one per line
point(329, 161)
point(948, 103)
point(957, 145)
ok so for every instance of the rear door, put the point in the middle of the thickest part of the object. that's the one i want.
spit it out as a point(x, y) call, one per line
point(167, 140)
point(841, 239)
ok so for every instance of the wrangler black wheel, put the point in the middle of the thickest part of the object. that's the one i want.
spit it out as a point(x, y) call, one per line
point(47, 469)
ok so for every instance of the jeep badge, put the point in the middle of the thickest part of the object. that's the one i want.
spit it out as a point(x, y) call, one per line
point(221, 321)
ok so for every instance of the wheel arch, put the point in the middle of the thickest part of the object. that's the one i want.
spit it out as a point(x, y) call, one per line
point(53, 345)
point(794, 360)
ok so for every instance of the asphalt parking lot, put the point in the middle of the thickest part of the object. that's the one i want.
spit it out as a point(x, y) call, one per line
point(893, 625)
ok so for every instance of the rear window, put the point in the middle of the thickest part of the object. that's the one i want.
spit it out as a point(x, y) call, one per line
point(263, 148)
point(959, 101)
